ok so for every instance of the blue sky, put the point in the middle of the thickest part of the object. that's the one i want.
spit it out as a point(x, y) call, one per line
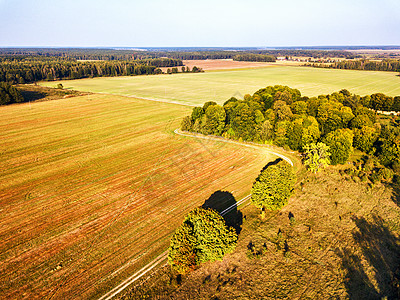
point(186, 23)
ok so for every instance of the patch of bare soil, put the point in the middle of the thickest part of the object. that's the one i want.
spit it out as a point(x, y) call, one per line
point(222, 64)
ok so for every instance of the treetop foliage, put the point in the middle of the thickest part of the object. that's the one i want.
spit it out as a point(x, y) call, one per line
point(203, 236)
point(340, 143)
point(273, 186)
point(316, 156)
point(281, 115)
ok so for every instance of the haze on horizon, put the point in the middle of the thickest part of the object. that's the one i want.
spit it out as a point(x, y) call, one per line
point(179, 23)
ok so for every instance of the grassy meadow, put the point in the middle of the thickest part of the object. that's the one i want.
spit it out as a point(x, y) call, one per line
point(197, 88)
point(92, 187)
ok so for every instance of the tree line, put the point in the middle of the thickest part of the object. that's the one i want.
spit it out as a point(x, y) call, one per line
point(391, 65)
point(255, 57)
point(179, 54)
point(25, 69)
point(185, 70)
point(280, 115)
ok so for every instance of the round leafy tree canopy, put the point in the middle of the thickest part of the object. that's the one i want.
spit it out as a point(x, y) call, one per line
point(273, 186)
point(203, 236)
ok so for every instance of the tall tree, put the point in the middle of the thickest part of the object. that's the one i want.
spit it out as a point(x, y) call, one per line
point(273, 187)
point(340, 143)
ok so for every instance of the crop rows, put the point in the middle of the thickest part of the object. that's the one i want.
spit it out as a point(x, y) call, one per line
point(92, 187)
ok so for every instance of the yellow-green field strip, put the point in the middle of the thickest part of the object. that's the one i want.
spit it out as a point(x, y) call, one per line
point(219, 86)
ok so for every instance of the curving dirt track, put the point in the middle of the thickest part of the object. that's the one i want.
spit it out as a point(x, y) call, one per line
point(162, 258)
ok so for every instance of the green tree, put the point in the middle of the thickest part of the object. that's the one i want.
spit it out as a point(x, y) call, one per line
point(273, 187)
point(186, 124)
point(203, 236)
point(197, 113)
point(243, 121)
point(389, 152)
point(266, 131)
point(280, 134)
point(9, 94)
point(364, 138)
point(396, 104)
point(316, 156)
point(213, 121)
point(282, 111)
point(380, 101)
point(302, 131)
point(360, 121)
point(299, 107)
point(333, 115)
point(340, 144)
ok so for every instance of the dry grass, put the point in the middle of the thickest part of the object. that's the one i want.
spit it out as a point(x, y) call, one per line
point(343, 243)
point(91, 188)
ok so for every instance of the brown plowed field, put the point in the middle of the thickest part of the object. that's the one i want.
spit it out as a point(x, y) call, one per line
point(222, 64)
point(92, 187)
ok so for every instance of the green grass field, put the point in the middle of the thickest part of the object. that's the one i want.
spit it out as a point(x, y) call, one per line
point(195, 89)
point(92, 187)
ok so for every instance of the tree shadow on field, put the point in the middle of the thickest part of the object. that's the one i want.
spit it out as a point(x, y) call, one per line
point(381, 252)
point(225, 203)
point(32, 95)
point(271, 163)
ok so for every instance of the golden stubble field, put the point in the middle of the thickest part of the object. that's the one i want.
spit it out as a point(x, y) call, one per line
point(92, 187)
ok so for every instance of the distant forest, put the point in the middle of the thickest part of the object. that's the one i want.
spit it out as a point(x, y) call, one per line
point(24, 65)
point(23, 68)
point(364, 64)
point(188, 54)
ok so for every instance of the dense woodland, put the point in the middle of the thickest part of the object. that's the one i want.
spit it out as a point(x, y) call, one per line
point(384, 65)
point(255, 57)
point(25, 68)
point(178, 53)
point(280, 115)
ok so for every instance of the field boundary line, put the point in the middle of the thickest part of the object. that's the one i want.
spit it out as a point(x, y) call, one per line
point(159, 260)
point(146, 99)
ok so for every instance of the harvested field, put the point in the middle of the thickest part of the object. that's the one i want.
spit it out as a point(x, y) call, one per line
point(230, 64)
point(91, 188)
point(219, 86)
point(224, 64)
